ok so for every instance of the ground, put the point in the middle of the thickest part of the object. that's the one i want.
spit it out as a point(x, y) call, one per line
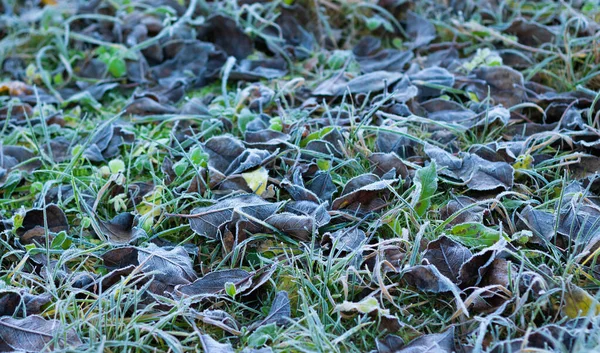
point(299, 176)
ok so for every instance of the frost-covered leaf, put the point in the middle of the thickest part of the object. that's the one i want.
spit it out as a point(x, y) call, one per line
point(36, 334)
point(206, 221)
point(296, 226)
point(361, 194)
point(211, 345)
point(280, 311)
point(432, 343)
point(172, 267)
point(213, 283)
point(448, 256)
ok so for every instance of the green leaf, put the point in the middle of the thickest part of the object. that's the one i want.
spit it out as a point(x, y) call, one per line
point(58, 79)
point(83, 98)
point(116, 166)
point(199, 157)
point(117, 67)
point(338, 58)
point(12, 180)
point(61, 241)
point(373, 23)
point(475, 234)
point(36, 187)
point(323, 164)
point(262, 335)
point(426, 182)
point(230, 289)
point(315, 135)
point(180, 167)
point(244, 118)
point(86, 222)
point(276, 124)
point(17, 221)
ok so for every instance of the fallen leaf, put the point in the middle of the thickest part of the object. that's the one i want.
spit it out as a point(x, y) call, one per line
point(448, 256)
point(173, 267)
point(475, 234)
point(36, 334)
point(419, 29)
point(206, 221)
point(346, 239)
point(214, 283)
point(579, 303)
point(296, 226)
point(37, 221)
point(361, 194)
point(432, 343)
point(209, 345)
point(257, 180)
point(122, 229)
point(365, 306)
point(279, 313)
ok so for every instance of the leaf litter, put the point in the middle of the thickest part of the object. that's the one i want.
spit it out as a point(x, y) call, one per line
point(251, 176)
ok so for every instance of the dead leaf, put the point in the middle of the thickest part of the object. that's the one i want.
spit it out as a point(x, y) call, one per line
point(206, 221)
point(279, 313)
point(448, 256)
point(39, 221)
point(36, 334)
point(214, 283)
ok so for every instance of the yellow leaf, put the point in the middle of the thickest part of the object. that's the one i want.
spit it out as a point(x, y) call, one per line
point(257, 180)
point(578, 302)
point(14, 88)
point(523, 162)
point(49, 2)
point(365, 306)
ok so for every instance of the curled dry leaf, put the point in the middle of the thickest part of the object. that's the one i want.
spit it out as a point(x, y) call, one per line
point(220, 319)
point(17, 302)
point(362, 194)
point(172, 267)
point(375, 81)
point(308, 208)
point(347, 239)
point(530, 33)
point(122, 229)
point(419, 29)
point(371, 57)
point(462, 209)
point(388, 164)
point(477, 173)
point(37, 222)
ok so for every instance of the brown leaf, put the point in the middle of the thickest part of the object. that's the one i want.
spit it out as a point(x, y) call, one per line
point(34, 334)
